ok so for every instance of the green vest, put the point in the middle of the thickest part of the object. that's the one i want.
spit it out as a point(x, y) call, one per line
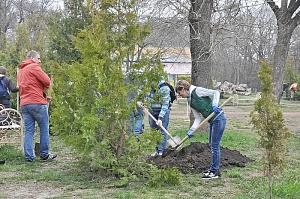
point(202, 104)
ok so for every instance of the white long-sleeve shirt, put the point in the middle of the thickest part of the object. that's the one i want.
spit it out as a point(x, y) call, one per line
point(202, 92)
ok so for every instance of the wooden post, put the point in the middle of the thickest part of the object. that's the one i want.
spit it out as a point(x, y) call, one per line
point(18, 93)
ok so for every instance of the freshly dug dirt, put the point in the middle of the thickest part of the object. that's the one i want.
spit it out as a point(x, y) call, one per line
point(196, 158)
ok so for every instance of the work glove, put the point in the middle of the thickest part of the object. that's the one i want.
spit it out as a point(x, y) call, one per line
point(140, 104)
point(159, 122)
point(189, 133)
point(216, 110)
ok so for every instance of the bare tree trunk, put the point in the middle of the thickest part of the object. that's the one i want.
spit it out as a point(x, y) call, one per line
point(200, 32)
point(280, 56)
point(121, 140)
point(270, 179)
point(287, 21)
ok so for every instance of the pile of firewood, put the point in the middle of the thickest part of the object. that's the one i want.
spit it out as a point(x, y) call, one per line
point(230, 88)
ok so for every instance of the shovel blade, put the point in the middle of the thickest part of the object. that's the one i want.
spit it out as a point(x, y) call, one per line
point(174, 143)
point(168, 151)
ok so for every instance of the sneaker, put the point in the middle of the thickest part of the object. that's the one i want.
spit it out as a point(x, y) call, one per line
point(48, 157)
point(143, 128)
point(30, 160)
point(206, 172)
point(156, 154)
point(211, 175)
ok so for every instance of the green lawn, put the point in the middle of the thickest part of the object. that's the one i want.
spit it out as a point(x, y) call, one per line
point(64, 178)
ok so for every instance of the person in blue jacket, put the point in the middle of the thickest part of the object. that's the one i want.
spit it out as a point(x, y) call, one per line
point(203, 102)
point(160, 104)
point(5, 101)
point(136, 125)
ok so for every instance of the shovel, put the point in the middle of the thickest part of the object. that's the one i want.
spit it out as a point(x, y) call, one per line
point(173, 148)
point(173, 142)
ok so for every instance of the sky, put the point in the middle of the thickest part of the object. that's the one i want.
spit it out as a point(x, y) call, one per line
point(59, 3)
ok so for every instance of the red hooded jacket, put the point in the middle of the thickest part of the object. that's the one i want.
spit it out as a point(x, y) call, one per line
point(32, 82)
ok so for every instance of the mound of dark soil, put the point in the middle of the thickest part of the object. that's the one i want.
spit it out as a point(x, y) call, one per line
point(196, 158)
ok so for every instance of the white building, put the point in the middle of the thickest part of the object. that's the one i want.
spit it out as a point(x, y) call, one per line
point(175, 66)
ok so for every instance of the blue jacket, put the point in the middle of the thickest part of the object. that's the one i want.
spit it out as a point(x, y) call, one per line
point(160, 100)
point(10, 86)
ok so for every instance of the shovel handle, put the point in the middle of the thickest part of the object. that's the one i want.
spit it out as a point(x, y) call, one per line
point(203, 122)
point(161, 126)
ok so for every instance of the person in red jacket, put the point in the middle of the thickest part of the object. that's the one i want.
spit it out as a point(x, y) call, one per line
point(33, 82)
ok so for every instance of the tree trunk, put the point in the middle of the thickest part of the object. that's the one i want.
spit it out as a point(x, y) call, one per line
point(200, 32)
point(287, 20)
point(280, 56)
point(121, 140)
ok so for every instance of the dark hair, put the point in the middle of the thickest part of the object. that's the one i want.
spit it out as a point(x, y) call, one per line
point(2, 70)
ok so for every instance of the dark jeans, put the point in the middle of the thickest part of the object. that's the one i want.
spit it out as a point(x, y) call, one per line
point(161, 146)
point(217, 128)
point(5, 103)
point(136, 122)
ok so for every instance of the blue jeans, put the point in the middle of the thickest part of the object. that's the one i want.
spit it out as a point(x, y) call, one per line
point(5, 103)
point(38, 113)
point(161, 146)
point(217, 128)
point(136, 122)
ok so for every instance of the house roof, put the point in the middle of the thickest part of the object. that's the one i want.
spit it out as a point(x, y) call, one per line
point(173, 59)
point(175, 65)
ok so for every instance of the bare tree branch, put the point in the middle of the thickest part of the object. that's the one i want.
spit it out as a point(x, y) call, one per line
point(284, 5)
point(291, 3)
point(273, 6)
point(294, 5)
point(296, 19)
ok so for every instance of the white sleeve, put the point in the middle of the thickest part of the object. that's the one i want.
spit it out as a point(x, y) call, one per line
point(214, 94)
point(198, 118)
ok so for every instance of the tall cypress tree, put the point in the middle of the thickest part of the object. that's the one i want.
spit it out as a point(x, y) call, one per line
point(91, 98)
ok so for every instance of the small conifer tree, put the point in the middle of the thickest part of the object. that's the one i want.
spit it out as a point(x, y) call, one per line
point(91, 101)
point(268, 122)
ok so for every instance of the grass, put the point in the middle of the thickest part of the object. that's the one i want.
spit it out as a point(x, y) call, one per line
point(63, 178)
